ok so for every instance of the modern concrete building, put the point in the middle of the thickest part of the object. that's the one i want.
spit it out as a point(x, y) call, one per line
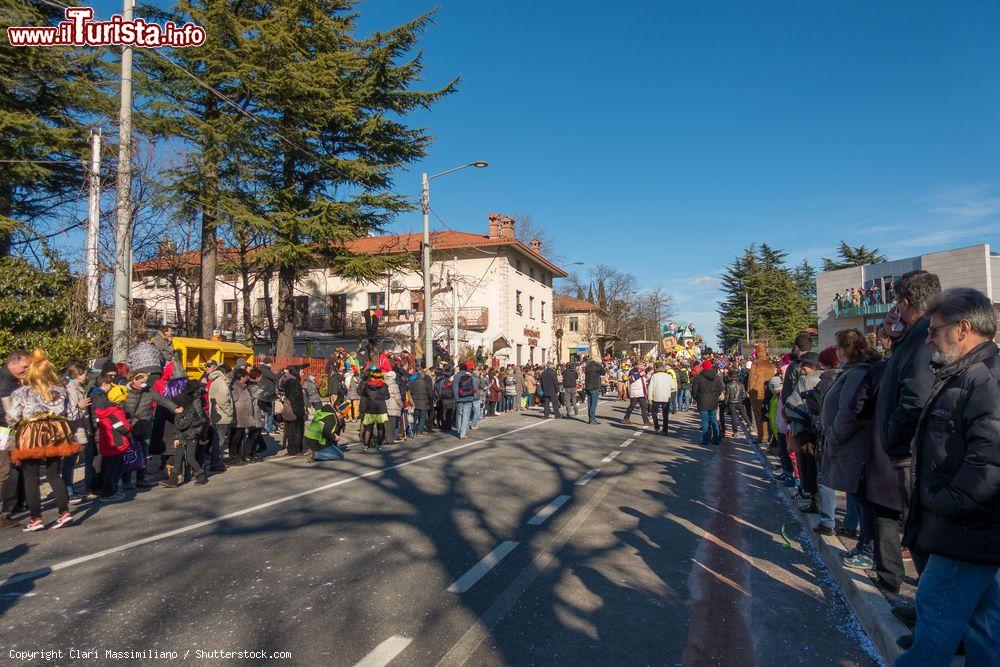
point(502, 290)
point(973, 266)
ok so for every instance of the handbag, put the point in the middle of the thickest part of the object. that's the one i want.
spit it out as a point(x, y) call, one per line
point(287, 414)
point(134, 459)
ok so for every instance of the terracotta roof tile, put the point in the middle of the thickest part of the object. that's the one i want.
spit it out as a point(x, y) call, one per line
point(565, 303)
point(376, 245)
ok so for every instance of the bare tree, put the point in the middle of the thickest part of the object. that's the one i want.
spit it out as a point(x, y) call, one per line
point(528, 229)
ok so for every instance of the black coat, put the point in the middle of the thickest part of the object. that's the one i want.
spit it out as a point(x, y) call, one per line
point(549, 382)
point(8, 383)
point(592, 374)
point(375, 399)
point(335, 384)
point(706, 388)
point(884, 481)
point(294, 397)
point(906, 385)
point(955, 507)
point(422, 392)
point(570, 377)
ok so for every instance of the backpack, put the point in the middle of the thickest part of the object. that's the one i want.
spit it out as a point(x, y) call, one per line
point(466, 386)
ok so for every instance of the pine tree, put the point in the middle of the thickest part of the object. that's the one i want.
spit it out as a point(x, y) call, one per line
point(804, 277)
point(579, 292)
point(338, 104)
point(46, 95)
point(212, 181)
point(779, 308)
point(602, 297)
point(851, 256)
point(590, 293)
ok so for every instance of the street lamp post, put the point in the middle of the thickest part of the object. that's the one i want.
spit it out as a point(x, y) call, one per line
point(425, 204)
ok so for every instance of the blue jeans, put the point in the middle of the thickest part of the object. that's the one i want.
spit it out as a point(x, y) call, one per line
point(710, 426)
point(956, 600)
point(464, 415)
point(68, 464)
point(786, 461)
point(684, 398)
point(420, 417)
point(477, 412)
point(593, 396)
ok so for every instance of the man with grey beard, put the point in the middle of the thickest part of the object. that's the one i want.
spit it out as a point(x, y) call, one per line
point(955, 508)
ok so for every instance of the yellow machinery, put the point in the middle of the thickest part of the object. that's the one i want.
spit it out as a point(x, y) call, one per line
point(194, 352)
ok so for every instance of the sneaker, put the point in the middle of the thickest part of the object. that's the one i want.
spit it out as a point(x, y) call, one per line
point(201, 481)
point(64, 520)
point(859, 562)
point(851, 553)
point(33, 525)
point(115, 497)
point(824, 530)
point(77, 499)
point(168, 484)
point(844, 531)
point(7, 522)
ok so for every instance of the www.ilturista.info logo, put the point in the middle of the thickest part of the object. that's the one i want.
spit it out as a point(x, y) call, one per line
point(79, 29)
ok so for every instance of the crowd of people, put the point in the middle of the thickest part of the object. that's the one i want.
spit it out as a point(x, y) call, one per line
point(908, 428)
point(872, 295)
point(905, 426)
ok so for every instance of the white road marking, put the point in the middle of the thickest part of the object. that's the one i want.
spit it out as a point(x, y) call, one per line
point(639, 432)
point(41, 572)
point(385, 652)
point(627, 443)
point(461, 653)
point(586, 478)
point(469, 579)
point(548, 511)
point(610, 457)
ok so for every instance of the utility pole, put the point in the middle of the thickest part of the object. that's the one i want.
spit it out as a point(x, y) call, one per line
point(746, 296)
point(123, 205)
point(93, 219)
point(454, 310)
point(425, 202)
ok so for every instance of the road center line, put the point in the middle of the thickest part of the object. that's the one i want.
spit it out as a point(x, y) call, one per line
point(385, 652)
point(548, 511)
point(469, 579)
point(587, 477)
point(627, 443)
point(41, 572)
point(611, 457)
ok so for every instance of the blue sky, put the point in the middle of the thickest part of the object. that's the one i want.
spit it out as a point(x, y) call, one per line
point(663, 137)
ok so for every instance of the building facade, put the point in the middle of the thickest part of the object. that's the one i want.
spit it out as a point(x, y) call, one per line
point(500, 288)
point(584, 329)
point(973, 266)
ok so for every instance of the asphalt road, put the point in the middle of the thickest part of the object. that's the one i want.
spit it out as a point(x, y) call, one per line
point(535, 542)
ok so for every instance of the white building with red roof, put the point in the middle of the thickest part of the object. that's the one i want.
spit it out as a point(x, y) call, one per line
point(503, 290)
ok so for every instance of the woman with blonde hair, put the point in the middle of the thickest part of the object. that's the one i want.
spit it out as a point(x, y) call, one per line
point(40, 411)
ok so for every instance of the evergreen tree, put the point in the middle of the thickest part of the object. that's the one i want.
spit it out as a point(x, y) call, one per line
point(602, 297)
point(579, 292)
point(590, 293)
point(46, 96)
point(778, 306)
point(851, 256)
point(338, 105)
point(804, 277)
point(212, 181)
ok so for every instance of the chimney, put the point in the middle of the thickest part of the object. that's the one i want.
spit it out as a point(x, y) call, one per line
point(536, 245)
point(166, 247)
point(507, 227)
point(494, 225)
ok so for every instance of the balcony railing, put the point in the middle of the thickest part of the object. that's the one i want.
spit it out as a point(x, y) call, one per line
point(862, 310)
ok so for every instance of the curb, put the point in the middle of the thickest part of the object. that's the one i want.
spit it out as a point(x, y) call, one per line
point(869, 605)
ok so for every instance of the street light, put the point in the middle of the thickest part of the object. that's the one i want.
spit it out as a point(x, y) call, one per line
point(425, 204)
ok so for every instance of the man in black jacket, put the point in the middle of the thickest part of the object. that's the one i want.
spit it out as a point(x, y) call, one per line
point(550, 391)
point(907, 380)
point(706, 389)
point(955, 508)
point(295, 400)
point(10, 379)
point(592, 374)
point(803, 344)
